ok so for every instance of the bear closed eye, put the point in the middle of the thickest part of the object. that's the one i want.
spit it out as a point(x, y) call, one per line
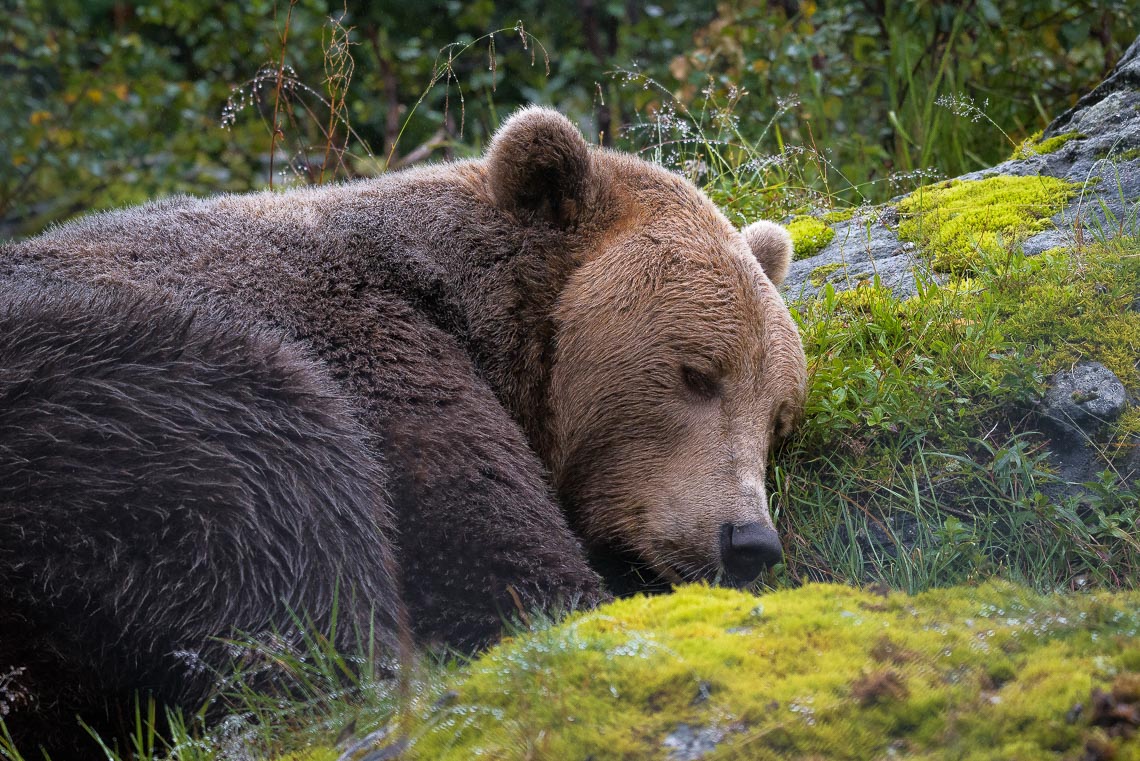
point(704, 386)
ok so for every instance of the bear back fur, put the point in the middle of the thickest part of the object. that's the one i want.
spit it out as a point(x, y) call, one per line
point(429, 298)
point(169, 475)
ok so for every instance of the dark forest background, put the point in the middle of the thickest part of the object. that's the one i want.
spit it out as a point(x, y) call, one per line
point(110, 102)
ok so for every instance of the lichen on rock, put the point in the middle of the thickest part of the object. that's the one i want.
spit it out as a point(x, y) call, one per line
point(820, 274)
point(1084, 399)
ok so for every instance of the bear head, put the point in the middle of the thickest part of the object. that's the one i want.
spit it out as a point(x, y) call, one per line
point(675, 363)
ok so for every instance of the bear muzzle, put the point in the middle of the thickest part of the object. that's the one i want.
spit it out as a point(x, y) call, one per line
point(747, 550)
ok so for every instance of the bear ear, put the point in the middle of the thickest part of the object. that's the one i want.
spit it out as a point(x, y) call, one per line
point(538, 164)
point(772, 246)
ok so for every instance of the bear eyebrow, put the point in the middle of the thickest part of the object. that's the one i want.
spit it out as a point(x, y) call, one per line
point(706, 356)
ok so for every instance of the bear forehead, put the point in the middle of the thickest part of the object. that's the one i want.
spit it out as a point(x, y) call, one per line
point(719, 312)
point(716, 275)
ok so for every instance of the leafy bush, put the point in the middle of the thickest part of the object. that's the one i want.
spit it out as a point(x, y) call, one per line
point(882, 90)
point(777, 105)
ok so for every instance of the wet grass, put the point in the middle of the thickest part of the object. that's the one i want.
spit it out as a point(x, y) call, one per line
point(922, 462)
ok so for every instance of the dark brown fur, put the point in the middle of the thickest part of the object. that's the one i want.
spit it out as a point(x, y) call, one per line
point(168, 475)
point(458, 307)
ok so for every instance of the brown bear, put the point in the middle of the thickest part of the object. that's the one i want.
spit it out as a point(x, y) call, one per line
point(553, 354)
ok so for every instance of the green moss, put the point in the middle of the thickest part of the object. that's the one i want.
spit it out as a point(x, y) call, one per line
point(809, 236)
point(1128, 155)
point(1125, 436)
point(1065, 309)
point(837, 216)
point(1129, 422)
point(1118, 156)
point(959, 221)
point(1034, 145)
point(823, 671)
point(818, 276)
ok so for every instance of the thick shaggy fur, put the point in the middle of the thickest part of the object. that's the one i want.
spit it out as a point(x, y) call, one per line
point(532, 319)
point(169, 475)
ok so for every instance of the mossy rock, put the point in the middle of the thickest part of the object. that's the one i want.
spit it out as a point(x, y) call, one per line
point(824, 671)
point(838, 215)
point(809, 236)
point(821, 274)
point(956, 222)
point(1035, 146)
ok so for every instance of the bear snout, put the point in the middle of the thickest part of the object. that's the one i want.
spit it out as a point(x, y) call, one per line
point(746, 550)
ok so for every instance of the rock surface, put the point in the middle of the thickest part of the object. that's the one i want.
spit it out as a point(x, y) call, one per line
point(864, 246)
point(1076, 408)
point(1082, 400)
point(1104, 152)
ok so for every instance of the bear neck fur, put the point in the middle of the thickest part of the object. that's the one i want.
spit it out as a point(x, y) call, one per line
point(503, 296)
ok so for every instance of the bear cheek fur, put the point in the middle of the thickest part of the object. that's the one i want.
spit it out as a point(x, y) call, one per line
point(640, 462)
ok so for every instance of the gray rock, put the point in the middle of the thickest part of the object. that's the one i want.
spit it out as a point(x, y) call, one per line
point(1110, 205)
point(1108, 120)
point(1080, 401)
point(1126, 77)
point(686, 743)
point(1040, 242)
point(863, 247)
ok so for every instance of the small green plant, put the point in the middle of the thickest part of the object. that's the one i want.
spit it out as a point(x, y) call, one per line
point(809, 235)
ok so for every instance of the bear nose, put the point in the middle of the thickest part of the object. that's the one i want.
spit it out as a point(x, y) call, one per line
point(748, 549)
